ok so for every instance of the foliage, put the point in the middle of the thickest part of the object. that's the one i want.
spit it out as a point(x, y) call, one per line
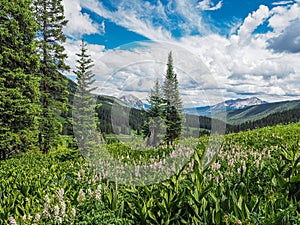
point(19, 85)
point(84, 103)
point(153, 129)
point(50, 18)
point(173, 108)
point(253, 180)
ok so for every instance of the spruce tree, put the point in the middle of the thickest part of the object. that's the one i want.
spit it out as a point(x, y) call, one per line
point(84, 116)
point(173, 109)
point(154, 128)
point(50, 18)
point(19, 85)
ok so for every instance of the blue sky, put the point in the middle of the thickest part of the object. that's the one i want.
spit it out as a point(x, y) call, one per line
point(227, 48)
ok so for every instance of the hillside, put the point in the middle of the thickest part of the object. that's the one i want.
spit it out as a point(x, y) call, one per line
point(257, 112)
point(254, 177)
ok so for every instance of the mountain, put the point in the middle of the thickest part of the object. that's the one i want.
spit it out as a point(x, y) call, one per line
point(257, 112)
point(227, 105)
point(239, 103)
point(132, 101)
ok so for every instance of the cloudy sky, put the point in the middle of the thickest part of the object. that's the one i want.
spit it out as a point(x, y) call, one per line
point(222, 49)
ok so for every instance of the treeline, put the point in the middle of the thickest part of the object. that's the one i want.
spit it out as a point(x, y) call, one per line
point(284, 117)
point(33, 89)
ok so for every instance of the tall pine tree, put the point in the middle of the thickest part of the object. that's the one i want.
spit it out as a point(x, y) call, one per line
point(84, 116)
point(173, 109)
point(50, 18)
point(154, 128)
point(19, 85)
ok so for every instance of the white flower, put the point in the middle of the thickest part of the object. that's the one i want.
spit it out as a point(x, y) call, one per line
point(56, 210)
point(12, 221)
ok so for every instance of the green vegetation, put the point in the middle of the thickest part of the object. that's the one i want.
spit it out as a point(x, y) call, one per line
point(84, 103)
point(49, 15)
point(254, 179)
point(165, 114)
point(19, 92)
point(257, 112)
point(173, 108)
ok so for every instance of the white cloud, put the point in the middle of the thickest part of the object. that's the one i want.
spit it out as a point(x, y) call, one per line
point(208, 66)
point(252, 21)
point(79, 23)
point(282, 17)
point(73, 47)
point(282, 3)
point(130, 17)
point(209, 5)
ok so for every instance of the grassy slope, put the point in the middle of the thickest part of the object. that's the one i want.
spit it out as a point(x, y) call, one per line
point(257, 112)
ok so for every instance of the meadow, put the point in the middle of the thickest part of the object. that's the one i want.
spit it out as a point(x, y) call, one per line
point(253, 179)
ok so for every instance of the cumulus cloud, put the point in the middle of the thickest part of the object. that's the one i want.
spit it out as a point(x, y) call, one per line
point(79, 23)
point(208, 66)
point(252, 21)
point(209, 5)
point(289, 40)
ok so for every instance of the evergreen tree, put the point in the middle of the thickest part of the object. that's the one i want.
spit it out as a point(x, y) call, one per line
point(19, 86)
point(154, 127)
point(50, 18)
point(84, 116)
point(173, 109)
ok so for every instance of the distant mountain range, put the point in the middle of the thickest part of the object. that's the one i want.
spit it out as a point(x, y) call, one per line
point(233, 111)
point(238, 114)
point(227, 105)
point(257, 112)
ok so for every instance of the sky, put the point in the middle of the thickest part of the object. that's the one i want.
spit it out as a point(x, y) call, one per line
point(222, 49)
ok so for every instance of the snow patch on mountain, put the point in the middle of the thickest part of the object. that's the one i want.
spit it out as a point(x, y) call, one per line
point(132, 101)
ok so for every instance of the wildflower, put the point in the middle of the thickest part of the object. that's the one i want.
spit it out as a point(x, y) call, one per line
point(59, 219)
point(12, 221)
point(37, 217)
point(24, 217)
point(63, 208)
point(46, 206)
point(238, 222)
point(81, 196)
point(107, 184)
point(217, 179)
point(226, 217)
point(73, 212)
point(90, 192)
point(257, 163)
point(117, 191)
point(56, 210)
